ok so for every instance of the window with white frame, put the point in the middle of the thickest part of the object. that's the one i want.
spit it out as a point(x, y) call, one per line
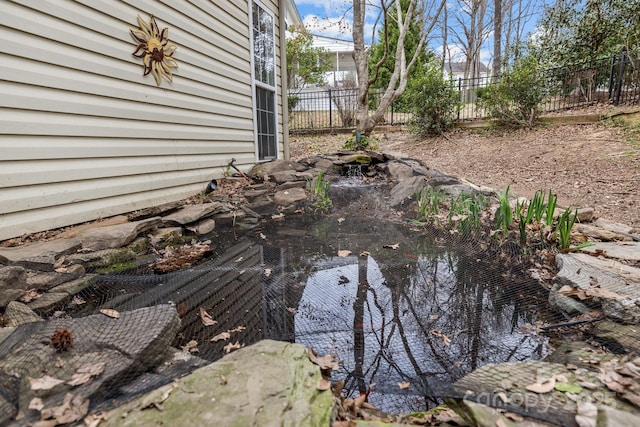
point(263, 45)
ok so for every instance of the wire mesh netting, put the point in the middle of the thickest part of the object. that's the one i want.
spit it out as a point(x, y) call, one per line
point(408, 309)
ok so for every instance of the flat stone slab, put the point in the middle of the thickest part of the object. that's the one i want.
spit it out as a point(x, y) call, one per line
point(580, 279)
point(39, 255)
point(270, 383)
point(48, 302)
point(599, 233)
point(117, 236)
point(192, 213)
point(504, 386)
point(620, 250)
point(75, 286)
point(631, 274)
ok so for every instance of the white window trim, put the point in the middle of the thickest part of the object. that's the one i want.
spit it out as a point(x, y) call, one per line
point(261, 84)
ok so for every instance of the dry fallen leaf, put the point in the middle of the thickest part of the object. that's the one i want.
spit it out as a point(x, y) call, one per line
point(586, 414)
point(404, 385)
point(292, 310)
point(543, 387)
point(445, 339)
point(207, 320)
point(44, 383)
point(262, 236)
point(323, 384)
point(340, 220)
point(30, 295)
point(72, 409)
point(94, 420)
point(394, 246)
point(190, 347)
point(221, 336)
point(84, 373)
point(277, 216)
point(328, 361)
point(36, 404)
point(156, 402)
point(110, 312)
point(231, 347)
point(344, 253)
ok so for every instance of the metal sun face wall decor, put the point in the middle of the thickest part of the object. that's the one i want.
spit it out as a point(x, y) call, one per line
point(154, 49)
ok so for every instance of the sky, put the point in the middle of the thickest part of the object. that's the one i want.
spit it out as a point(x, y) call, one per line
point(332, 18)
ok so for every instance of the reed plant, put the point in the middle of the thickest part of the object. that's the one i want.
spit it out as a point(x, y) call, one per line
point(551, 207)
point(428, 201)
point(504, 216)
point(321, 190)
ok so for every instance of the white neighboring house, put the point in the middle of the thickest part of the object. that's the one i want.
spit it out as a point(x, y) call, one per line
point(344, 66)
point(456, 70)
point(84, 134)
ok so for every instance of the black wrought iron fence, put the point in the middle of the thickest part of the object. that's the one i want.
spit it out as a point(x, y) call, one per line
point(614, 80)
point(334, 109)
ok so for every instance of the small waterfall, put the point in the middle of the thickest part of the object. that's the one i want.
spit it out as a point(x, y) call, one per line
point(354, 172)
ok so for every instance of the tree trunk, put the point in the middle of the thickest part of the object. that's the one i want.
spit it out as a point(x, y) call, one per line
point(365, 121)
point(497, 39)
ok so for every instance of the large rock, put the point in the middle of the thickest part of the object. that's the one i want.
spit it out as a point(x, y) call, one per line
point(266, 169)
point(290, 196)
point(117, 236)
point(399, 170)
point(583, 280)
point(406, 189)
point(18, 314)
point(115, 348)
point(13, 284)
point(40, 255)
point(270, 383)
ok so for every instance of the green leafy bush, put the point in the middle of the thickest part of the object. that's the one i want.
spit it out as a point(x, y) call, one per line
point(515, 99)
point(433, 102)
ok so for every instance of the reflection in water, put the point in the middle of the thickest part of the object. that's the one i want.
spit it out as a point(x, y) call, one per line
point(420, 314)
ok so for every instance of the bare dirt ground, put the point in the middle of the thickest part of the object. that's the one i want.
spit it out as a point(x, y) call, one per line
point(594, 166)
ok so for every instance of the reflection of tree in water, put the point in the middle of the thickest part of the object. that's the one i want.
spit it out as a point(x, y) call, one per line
point(439, 293)
point(389, 321)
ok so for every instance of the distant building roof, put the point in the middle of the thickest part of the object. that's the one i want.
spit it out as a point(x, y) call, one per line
point(332, 44)
point(458, 67)
point(291, 14)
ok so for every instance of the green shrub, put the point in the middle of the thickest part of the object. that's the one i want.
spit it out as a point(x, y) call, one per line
point(433, 102)
point(515, 99)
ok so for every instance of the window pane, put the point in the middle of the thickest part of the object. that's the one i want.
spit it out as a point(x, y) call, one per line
point(263, 46)
point(266, 126)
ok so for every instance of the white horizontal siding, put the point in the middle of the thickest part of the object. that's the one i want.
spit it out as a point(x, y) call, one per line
point(84, 135)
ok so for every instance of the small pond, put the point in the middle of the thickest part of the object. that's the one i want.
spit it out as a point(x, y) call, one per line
point(407, 311)
point(402, 311)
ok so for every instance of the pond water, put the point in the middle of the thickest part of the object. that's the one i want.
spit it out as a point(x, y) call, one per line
point(409, 318)
point(407, 312)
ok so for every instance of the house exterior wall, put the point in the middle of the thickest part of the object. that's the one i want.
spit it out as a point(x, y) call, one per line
point(84, 135)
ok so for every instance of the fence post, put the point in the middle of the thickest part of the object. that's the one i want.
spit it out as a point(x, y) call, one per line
point(330, 111)
point(623, 58)
point(460, 94)
point(612, 72)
